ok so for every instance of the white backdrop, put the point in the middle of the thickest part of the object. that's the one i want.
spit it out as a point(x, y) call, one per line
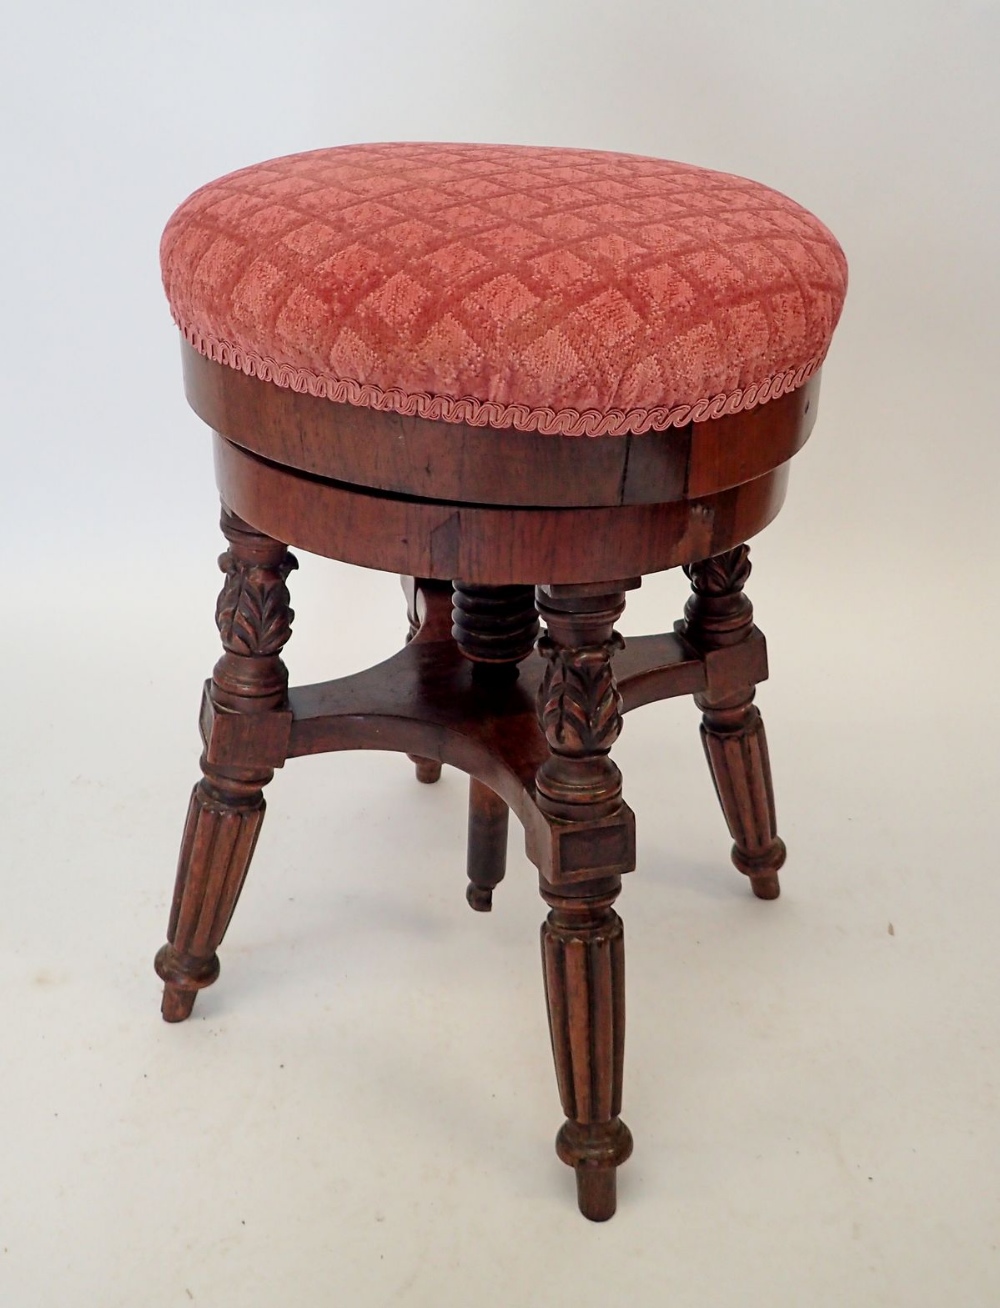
point(876, 586)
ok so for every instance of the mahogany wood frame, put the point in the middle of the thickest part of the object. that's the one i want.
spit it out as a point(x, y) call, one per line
point(529, 526)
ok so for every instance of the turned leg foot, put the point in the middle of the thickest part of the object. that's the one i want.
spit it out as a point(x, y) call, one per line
point(595, 1159)
point(221, 831)
point(245, 724)
point(177, 1005)
point(718, 615)
point(597, 1192)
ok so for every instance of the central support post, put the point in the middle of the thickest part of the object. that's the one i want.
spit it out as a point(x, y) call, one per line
point(495, 627)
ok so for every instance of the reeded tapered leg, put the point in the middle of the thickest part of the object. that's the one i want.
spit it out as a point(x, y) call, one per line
point(245, 724)
point(583, 960)
point(582, 943)
point(495, 627)
point(719, 615)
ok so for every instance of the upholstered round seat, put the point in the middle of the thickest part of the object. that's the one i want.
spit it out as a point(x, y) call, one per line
point(568, 292)
point(524, 379)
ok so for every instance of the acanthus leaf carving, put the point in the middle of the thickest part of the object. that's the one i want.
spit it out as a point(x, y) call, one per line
point(253, 613)
point(580, 709)
point(722, 574)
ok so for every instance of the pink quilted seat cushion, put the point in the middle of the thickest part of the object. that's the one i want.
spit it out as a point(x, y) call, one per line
point(560, 291)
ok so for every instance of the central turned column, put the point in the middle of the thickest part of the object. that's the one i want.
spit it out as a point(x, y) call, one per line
point(579, 789)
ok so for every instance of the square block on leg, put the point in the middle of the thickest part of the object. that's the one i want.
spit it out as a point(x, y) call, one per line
point(244, 739)
point(585, 851)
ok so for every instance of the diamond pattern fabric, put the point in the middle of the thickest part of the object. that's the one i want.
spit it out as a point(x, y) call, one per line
point(561, 291)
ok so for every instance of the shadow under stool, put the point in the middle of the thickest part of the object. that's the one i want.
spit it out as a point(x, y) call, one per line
point(418, 359)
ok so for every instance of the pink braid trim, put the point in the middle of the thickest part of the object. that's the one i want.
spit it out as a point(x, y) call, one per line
point(486, 413)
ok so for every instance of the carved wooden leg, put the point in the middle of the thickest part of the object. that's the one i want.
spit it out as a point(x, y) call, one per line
point(719, 615)
point(245, 724)
point(495, 627)
point(428, 769)
point(582, 942)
